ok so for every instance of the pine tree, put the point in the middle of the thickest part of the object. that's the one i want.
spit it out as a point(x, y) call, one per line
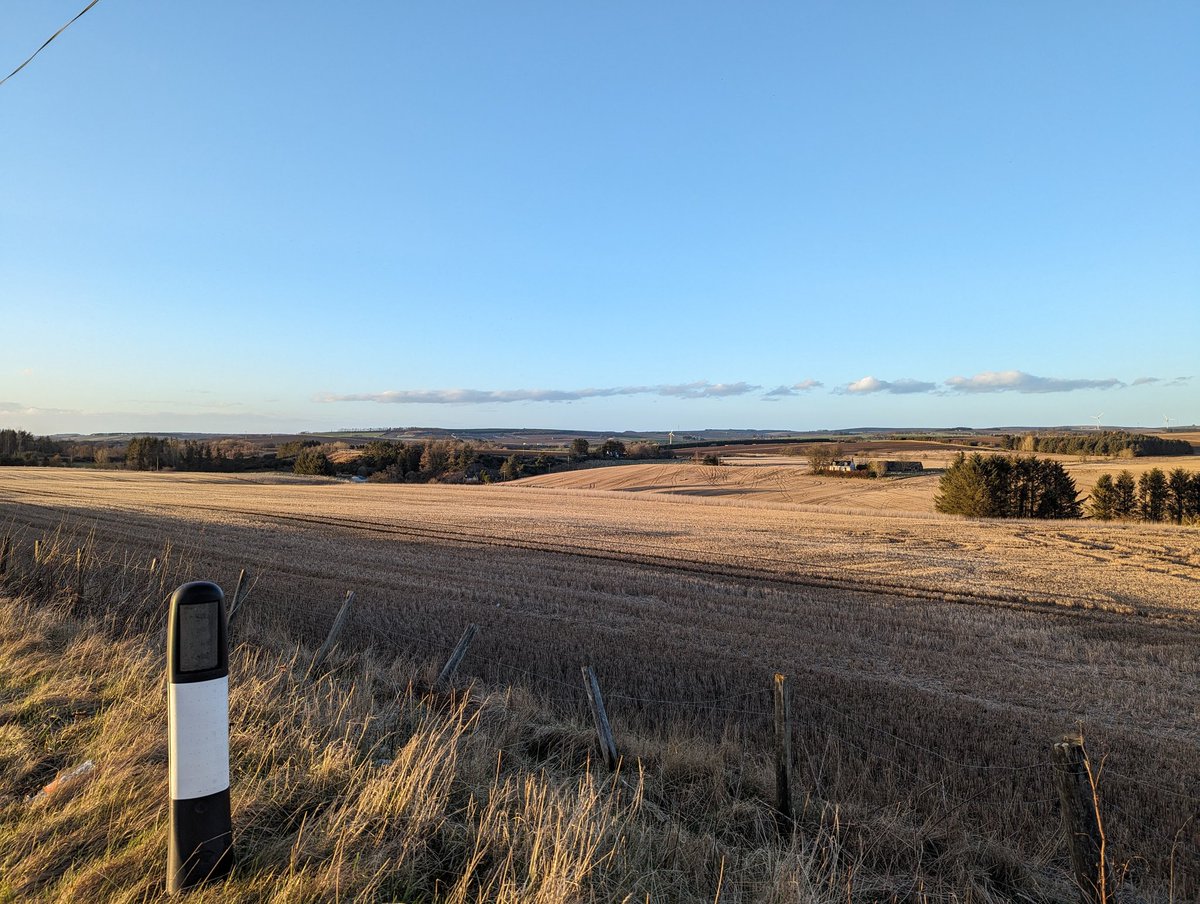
point(1152, 495)
point(963, 488)
point(1058, 495)
point(1125, 500)
point(511, 469)
point(1192, 499)
point(1177, 492)
point(1101, 504)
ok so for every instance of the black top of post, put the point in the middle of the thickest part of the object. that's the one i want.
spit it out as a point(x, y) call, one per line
point(197, 645)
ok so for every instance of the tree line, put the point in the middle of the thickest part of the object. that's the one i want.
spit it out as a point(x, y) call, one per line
point(380, 460)
point(156, 453)
point(1155, 496)
point(446, 461)
point(20, 447)
point(452, 461)
point(1108, 443)
point(582, 450)
point(1007, 486)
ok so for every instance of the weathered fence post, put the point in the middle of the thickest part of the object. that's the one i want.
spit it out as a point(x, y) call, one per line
point(1081, 814)
point(37, 552)
point(608, 746)
point(783, 753)
point(338, 623)
point(236, 601)
point(78, 572)
point(460, 651)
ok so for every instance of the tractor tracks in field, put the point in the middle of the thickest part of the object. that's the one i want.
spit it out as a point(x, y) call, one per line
point(693, 561)
point(767, 569)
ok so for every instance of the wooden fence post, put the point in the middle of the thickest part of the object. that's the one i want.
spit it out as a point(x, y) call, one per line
point(78, 590)
point(37, 552)
point(608, 746)
point(460, 651)
point(1081, 814)
point(338, 623)
point(236, 600)
point(783, 753)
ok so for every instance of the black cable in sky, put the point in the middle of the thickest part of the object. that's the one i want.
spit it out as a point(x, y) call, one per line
point(47, 44)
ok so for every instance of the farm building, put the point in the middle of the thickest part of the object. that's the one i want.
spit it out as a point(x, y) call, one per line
point(892, 466)
point(842, 464)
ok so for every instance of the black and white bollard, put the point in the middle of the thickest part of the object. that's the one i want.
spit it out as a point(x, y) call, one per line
point(200, 844)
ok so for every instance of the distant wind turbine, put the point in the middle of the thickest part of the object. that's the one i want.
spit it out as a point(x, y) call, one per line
point(1096, 418)
point(670, 437)
point(1167, 421)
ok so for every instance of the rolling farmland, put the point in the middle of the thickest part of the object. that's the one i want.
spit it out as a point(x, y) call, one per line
point(926, 650)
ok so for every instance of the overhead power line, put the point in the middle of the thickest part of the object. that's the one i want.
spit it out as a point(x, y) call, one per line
point(48, 40)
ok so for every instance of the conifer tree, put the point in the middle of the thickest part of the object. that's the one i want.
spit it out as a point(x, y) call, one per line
point(963, 488)
point(1125, 499)
point(1177, 494)
point(1102, 501)
point(1152, 495)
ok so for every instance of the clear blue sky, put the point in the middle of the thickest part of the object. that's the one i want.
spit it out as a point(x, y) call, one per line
point(266, 216)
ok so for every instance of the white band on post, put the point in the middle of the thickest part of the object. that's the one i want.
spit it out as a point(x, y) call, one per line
point(198, 738)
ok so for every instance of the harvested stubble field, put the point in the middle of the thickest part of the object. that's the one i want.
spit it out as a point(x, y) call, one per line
point(934, 658)
point(766, 477)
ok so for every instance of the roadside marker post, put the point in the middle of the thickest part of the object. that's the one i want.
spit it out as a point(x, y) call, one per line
point(200, 841)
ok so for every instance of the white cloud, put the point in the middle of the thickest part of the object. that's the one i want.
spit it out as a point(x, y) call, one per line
point(903, 386)
point(780, 392)
point(1019, 381)
point(700, 389)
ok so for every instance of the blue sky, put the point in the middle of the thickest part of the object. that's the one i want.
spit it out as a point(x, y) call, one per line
point(267, 216)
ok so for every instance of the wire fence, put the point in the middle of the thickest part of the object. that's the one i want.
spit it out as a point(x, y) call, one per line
point(736, 704)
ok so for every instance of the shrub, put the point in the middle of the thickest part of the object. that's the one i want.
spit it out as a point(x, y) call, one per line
point(313, 461)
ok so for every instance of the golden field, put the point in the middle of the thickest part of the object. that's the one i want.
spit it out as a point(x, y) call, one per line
point(933, 658)
point(783, 478)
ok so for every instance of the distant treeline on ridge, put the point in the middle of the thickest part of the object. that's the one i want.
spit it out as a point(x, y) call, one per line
point(1108, 443)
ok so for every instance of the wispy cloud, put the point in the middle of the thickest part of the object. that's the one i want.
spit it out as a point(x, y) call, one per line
point(1174, 381)
point(32, 411)
point(903, 386)
point(1019, 381)
point(783, 392)
point(701, 389)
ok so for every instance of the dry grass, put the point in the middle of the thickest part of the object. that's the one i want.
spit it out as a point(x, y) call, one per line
point(918, 644)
